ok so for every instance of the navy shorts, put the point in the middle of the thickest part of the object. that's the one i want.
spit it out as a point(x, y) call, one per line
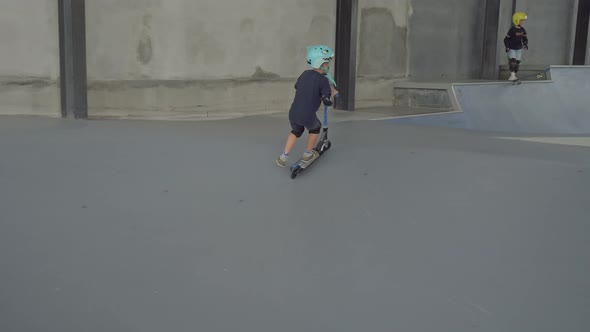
point(312, 125)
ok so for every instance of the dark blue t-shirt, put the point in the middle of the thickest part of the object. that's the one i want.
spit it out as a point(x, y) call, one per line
point(310, 88)
point(516, 38)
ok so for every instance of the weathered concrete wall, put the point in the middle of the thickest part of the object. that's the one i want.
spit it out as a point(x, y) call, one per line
point(184, 58)
point(421, 39)
point(206, 39)
point(415, 39)
point(446, 39)
point(382, 38)
point(382, 49)
point(189, 99)
point(195, 58)
point(29, 59)
point(549, 27)
point(443, 40)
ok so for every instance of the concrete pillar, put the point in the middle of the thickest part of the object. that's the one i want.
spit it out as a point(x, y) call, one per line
point(72, 58)
point(345, 61)
point(581, 36)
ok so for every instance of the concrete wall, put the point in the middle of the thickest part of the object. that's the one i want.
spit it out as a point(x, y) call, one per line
point(421, 39)
point(549, 27)
point(415, 39)
point(185, 58)
point(446, 39)
point(434, 40)
point(382, 38)
point(382, 49)
point(29, 59)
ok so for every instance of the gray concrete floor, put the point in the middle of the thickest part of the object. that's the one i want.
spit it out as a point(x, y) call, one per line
point(189, 226)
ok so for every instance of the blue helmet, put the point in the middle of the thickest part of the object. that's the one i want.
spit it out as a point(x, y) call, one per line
point(318, 54)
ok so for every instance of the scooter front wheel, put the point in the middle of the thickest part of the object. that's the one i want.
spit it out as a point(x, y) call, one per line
point(295, 171)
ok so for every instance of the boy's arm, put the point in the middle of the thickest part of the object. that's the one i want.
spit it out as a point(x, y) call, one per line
point(507, 39)
point(326, 92)
point(525, 39)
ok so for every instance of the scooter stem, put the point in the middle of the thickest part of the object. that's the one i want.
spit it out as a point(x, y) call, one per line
point(326, 113)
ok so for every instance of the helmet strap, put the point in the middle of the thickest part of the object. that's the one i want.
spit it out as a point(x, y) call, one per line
point(331, 78)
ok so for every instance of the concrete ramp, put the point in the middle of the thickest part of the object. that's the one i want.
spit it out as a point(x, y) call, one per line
point(557, 106)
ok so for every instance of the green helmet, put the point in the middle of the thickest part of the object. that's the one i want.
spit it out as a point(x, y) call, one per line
point(318, 55)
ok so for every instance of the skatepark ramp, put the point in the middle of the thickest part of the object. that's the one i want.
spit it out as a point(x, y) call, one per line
point(557, 106)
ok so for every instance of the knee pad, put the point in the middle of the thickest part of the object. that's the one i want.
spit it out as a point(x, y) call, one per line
point(513, 64)
point(315, 131)
point(297, 133)
point(517, 66)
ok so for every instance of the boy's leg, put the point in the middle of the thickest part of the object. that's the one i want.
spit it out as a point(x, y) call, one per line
point(291, 140)
point(296, 132)
point(310, 152)
point(512, 64)
point(512, 59)
point(312, 140)
point(518, 57)
point(314, 131)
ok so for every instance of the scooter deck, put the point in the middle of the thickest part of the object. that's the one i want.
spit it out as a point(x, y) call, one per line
point(304, 164)
point(300, 165)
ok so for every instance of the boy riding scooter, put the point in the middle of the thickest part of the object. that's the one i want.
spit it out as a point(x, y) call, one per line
point(312, 88)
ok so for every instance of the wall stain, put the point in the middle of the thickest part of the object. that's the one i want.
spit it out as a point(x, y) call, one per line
point(247, 25)
point(203, 45)
point(144, 46)
point(382, 44)
point(262, 74)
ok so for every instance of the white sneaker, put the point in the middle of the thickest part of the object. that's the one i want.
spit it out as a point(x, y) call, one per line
point(311, 156)
point(512, 77)
point(282, 160)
